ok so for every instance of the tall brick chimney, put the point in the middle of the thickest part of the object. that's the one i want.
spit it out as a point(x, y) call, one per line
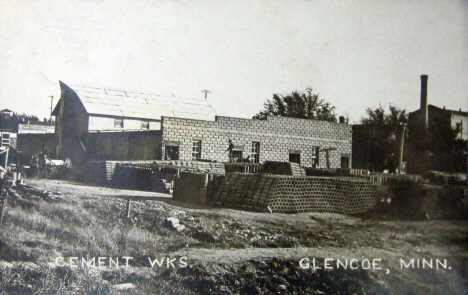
point(424, 99)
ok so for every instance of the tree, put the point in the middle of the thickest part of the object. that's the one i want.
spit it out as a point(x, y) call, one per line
point(384, 136)
point(446, 151)
point(378, 116)
point(11, 122)
point(304, 105)
point(438, 147)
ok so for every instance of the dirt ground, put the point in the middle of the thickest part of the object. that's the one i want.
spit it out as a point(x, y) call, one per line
point(222, 251)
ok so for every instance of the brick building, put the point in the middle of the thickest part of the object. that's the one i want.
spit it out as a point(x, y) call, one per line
point(308, 142)
point(428, 115)
point(431, 145)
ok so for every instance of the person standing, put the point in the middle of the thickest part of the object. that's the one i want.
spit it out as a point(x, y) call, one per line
point(230, 149)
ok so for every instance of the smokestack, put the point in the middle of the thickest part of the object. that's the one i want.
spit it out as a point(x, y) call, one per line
point(424, 99)
point(342, 119)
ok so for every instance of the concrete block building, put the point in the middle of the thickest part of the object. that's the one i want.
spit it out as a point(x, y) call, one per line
point(103, 124)
point(307, 142)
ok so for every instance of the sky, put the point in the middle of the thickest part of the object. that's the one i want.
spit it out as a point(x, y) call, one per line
point(354, 54)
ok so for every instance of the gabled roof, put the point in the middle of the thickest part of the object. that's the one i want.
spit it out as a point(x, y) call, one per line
point(118, 103)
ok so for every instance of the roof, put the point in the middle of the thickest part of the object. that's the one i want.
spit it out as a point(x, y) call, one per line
point(118, 103)
point(454, 112)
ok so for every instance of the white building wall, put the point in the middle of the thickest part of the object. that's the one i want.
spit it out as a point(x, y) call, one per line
point(108, 124)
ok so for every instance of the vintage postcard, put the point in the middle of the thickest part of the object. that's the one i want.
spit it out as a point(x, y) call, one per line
point(233, 147)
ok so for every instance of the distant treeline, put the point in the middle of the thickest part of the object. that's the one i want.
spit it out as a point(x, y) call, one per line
point(11, 122)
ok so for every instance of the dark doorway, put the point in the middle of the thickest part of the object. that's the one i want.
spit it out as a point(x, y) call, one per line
point(295, 158)
point(344, 162)
point(237, 156)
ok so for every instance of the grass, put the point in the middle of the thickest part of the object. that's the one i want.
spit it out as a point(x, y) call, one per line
point(78, 229)
point(53, 281)
point(39, 229)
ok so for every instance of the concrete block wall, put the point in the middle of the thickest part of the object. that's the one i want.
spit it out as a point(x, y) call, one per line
point(277, 136)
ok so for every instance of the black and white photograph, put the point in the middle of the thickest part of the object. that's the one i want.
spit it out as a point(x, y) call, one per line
point(233, 147)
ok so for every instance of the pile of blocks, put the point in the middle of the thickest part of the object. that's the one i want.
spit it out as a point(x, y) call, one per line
point(323, 194)
point(283, 168)
point(200, 166)
point(295, 194)
point(242, 167)
point(443, 202)
point(133, 177)
point(196, 188)
point(246, 191)
point(431, 204)
point(212, 167)
point(95, 172)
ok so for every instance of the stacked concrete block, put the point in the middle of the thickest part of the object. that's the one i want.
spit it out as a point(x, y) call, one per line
point(431, 203)
point(216, 168)
point(323, 194)
point(196, 188)
point(95, 172)
point(283, 168)
point(190, 187)
point(246, 191)
point(133, 177)
point(243, 167)
point(295, 194)
point(443, 202)
point(210, 167)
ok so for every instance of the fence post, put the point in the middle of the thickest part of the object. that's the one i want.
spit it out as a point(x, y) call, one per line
point(3, 195)
point(206, 180)
point(127, 211)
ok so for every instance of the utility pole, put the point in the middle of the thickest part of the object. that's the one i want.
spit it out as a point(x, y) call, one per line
point(206, 93)
point(402, 143)
point(51, 103)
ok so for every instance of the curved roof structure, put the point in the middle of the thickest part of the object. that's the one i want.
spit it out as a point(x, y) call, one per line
point(119, 103)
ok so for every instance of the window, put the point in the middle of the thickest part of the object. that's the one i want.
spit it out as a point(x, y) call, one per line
point(145, 125)
point(315, 156)
point(5, 139)
point(118, 123)
point(345, 161)
point(196, 149)
point(255, 153)
point(172, 153)
point(295, 158)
